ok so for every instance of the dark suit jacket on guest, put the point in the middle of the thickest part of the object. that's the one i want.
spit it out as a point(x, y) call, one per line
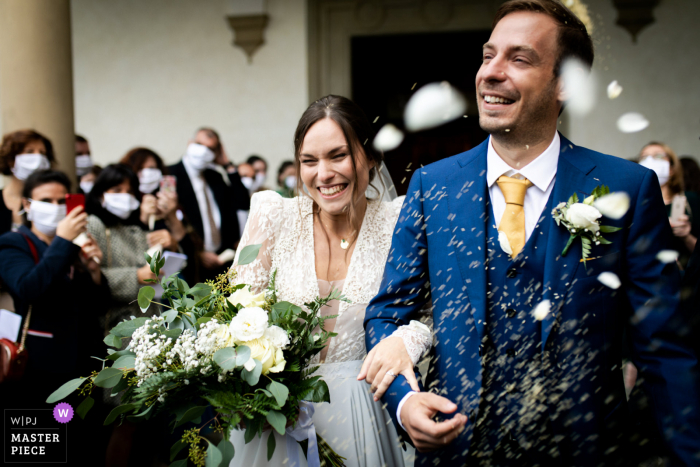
point(229, 199)
point(439, 252)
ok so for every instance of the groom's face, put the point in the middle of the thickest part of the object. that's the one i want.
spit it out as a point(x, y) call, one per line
point(516, 86)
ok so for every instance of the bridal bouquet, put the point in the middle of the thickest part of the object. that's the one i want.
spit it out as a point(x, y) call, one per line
point(216, 344)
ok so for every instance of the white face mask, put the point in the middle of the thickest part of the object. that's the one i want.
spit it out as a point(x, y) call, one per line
point(83, 164)
point(149, 179)
point(120, 204)
point(290, 182)
point(86, 186)
point(259, 181)
point(199, 156)
point(27, 164)
point(662, 168)
point(247, 182)
point(46, 216)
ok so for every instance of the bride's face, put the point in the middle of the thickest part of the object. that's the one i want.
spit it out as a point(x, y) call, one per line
point(327, 168)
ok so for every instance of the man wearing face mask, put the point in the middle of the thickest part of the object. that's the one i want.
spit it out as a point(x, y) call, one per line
point(208, 201)
point(83, 159)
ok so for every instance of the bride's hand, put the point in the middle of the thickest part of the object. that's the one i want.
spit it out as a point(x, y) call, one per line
point(387, 358)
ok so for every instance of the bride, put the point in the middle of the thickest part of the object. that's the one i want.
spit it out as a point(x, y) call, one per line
point(330, 236)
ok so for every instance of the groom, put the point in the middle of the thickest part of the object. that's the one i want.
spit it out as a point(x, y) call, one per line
point(510, 386)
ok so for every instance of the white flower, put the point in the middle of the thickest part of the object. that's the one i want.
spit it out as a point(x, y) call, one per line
point(246, 299)
point(248, 324)
point(505, 244)
point(667, 256)
point(433, 105)
point(609, 279)
point(613, 205)
point(271, 357)
point(542, 309)
point(583, 216)
point(277, 336)
point(388, 138)
point(614, 90)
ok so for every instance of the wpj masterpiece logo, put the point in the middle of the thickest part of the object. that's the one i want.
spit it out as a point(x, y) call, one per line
point(36, 436)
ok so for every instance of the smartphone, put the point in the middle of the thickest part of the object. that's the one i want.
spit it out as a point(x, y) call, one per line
point(677, 208)
point(73, 200)
point(168, 183)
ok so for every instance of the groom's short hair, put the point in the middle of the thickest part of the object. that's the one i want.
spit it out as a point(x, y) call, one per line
point(573, 41)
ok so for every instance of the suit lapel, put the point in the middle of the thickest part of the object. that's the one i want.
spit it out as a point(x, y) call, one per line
point(573, 176)
point(187, 198)
point(469, 207)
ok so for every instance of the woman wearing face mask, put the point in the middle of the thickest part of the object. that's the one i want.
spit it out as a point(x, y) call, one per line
point(661, 159)
point(122, 238)
point(331, 236)
point(87, 181)
point(22, 153)
point(287, 179)
point(43, 269)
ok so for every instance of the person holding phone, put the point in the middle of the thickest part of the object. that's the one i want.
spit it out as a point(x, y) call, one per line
point(22, 153)
point(61, 283)
point(683, 206)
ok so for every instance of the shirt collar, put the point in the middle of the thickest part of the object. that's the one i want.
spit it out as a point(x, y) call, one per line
point(540, 172)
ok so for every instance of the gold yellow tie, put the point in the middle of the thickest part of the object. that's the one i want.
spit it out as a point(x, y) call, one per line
point(513, 220)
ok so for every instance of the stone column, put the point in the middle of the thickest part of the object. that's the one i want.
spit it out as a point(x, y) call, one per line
point(36, 73)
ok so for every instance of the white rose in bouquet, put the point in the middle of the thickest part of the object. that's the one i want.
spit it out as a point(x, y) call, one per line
point(246, 299)
point(583, 216)
point(248, 324)
point(277, 336)
point(271, 357)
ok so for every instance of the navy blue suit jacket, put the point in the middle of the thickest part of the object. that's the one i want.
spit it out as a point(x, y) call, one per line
point(439, 252)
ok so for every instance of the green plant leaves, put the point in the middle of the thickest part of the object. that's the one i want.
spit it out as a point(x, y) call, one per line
point(320, 392)
point(190, 414)
point(170, 315)
point(84, 407)
point(127, 362)
point(146, 294)
point(117, 411)
point(226, 358)
point(271, 445)
point(227, 452)
point(180, 463)
point(176, 448)
point(65, 390)
point(113, 341)
point(127, 328)
point(277, 421)
point(242, 355)
point(214, 456)
point(107, 378)
point(279, 391)
point(252, 377)
point(248, 254)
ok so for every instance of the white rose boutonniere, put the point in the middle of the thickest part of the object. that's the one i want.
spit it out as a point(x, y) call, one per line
point(582, 220)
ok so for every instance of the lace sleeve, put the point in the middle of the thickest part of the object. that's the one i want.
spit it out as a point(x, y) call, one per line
point(417, 338)
point(262, 228)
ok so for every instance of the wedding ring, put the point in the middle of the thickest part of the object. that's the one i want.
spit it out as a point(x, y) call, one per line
point(391, 373)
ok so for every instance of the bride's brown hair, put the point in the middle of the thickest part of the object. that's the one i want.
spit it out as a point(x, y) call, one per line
point(358, 133)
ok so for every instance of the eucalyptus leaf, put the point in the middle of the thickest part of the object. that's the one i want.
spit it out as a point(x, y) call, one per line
point(320, 392)
point(170, 315)
point(248, 254)
point(176, 448)
point(264, 391)
point(144, 414)
point(84, 407)
point(280, 391)
point(180, 463)
point(242, 355)
point(127, 328)
point(113, 341)
point(120, 353)
point(127, 362)
point(117, 411)
point(177, 324)
point(214, 456)
point(227, 452)
point(108, 378)
point(226, 358)
point(271, 445)
point(146, 294)
point(65, 390)
point(277, 421)
point(252, 377)
point(121, 385)
point(191, 414)
point(172, 333)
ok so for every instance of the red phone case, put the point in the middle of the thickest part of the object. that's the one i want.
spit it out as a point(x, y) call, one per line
point(73, 200)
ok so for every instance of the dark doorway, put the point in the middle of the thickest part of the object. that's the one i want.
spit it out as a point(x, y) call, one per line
point(386, 70)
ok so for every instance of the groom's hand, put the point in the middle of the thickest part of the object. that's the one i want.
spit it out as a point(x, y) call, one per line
point(417, 418)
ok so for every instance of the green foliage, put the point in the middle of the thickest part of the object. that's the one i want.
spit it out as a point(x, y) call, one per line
point(227, 452)
point(127, 327)
point(277, 421)
point(65, 390)
point(279, 391)
point(119, 410)
point(271, 445)
point(113, 341)
point(84, 407)
point(108, 378)
point(248, 254)
point(146, 294)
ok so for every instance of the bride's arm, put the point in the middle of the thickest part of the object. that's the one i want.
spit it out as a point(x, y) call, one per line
point(262, 228)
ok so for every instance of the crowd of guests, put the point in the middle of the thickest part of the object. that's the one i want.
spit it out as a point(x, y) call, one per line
point(79, 289)
point(74, 275)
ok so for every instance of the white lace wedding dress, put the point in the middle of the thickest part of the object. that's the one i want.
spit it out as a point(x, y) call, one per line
point(353, 424)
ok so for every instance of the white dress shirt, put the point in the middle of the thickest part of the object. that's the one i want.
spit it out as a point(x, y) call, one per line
point(541, 172)
point(202, 192)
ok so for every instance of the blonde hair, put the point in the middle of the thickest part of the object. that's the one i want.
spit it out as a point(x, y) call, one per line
point(675, 180)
